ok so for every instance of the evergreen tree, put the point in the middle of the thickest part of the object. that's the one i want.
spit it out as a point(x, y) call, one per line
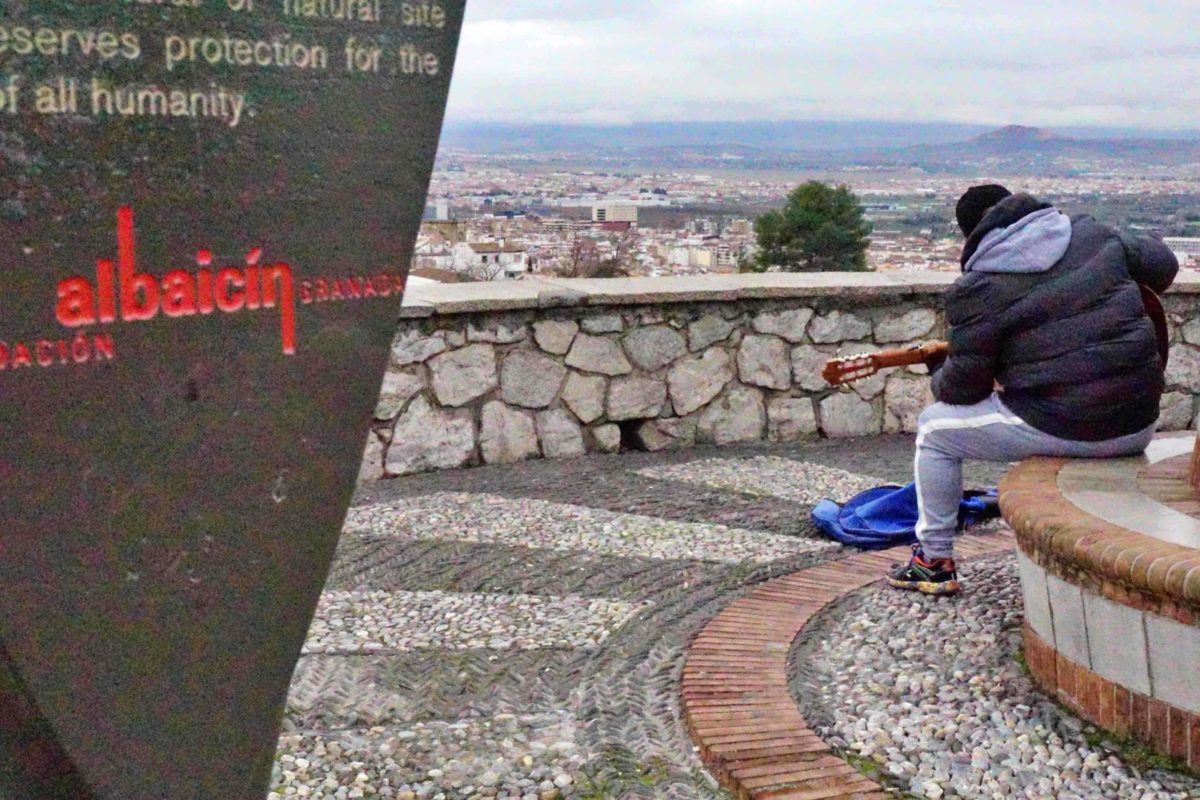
point(820, 229)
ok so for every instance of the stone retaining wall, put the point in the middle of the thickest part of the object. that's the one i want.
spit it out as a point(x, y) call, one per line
point(500, 373)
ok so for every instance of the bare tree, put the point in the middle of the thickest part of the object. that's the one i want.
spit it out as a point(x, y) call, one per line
point(585, 260)
point(487, 271)
point(582, 257)
point(624, 246)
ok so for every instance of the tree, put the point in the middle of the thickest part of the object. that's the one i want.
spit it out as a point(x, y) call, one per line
point(488, 270)
point(584, 259)
point(820, 229)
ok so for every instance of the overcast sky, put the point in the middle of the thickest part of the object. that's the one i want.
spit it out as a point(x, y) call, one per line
point(1064, 62)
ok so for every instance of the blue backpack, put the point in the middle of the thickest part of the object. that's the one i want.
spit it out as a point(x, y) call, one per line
point(887, 516)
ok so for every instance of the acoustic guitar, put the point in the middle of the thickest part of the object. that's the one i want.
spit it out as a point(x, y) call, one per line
point(848, 369)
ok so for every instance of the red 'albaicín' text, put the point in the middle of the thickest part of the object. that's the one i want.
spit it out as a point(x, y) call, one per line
point(121, 292)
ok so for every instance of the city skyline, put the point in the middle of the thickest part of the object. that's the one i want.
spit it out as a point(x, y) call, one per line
point(1074, 64)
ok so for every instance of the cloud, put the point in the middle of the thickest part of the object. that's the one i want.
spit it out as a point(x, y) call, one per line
point(1072, 62)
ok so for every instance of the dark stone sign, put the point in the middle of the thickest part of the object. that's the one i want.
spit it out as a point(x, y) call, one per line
point(207, 210)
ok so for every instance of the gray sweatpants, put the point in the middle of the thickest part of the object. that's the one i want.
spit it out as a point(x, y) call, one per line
point(986, 431)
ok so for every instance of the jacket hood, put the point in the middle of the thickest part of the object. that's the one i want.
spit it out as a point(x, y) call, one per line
point(1031, 243)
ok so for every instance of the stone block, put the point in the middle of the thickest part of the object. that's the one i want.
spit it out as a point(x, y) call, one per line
point(603, 323)
point(506, 435)
point(598, 354)
point(461, 376)
point(426, 438)
point(1174, 653)
point(607, 438)
point(838, 326)
point(1183, 370)
point(497, 332)
point(1176, 412)
point(739, 416)
point(454, 338)
point(655, 347)
point(790, 419)
point(647, 316)
point(915, 324)
point(791, 324)
point(1037, 598)
point(1070, 625)
point(414, 347)
point(807, 363)
point(530, 380)
point(903, 401)
point(555, 336)
point(371, 468)
point(398, 388)
point(667, 434)
point(584, 395)
point(636, 398)
point(1191, 331)
point(845, 415)
point(694, 382)
point(1117, 643)
point(708, 330)
point(764, 361)
point(559, 434)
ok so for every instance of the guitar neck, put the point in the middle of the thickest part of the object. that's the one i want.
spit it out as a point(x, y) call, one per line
point(909, 356)
point(840, 371)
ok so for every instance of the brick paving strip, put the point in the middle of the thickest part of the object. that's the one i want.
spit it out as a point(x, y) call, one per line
point(736, 700)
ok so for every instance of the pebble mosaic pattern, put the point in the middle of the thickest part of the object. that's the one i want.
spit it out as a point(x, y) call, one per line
point(931, 691)
point(490, 519)
point(769, 476)
point(364, 622)
point(341, 691)
point(504, 756)
point(522, 636)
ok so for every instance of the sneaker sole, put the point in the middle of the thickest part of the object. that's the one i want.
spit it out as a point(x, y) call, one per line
point(927, 587)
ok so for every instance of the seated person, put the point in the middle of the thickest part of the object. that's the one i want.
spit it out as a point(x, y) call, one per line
point(1049, 309)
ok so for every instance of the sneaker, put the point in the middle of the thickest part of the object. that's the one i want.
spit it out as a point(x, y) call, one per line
point(937, 577)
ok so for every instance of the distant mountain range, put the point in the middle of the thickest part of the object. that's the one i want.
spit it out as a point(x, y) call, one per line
point(505, 138)
point(1037, 150)
point(1018, 137)
point(819, 145)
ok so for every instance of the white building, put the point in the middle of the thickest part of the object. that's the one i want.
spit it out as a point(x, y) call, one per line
point(741, 227)
point(491, 261)
point(613, 212)
point(692, 257)
point(1185, 248)
point(432, 254)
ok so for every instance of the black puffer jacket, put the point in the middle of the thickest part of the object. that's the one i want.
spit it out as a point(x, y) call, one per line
point(1048, 307)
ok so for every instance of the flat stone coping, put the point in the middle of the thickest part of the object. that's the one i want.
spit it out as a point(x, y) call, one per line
point(1109, 490)
point(736, 700)
point(426, 299)
point(1087, 521)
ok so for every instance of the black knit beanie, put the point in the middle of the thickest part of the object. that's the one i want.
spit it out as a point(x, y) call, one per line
point(975, 204)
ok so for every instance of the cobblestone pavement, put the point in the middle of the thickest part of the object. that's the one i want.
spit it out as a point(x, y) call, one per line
point(519, 632)
point(932, 692)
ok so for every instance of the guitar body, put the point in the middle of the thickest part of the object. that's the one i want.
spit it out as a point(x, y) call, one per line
point(1158, 316)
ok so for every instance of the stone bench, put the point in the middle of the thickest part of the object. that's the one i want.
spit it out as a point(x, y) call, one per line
point(1109, 556)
